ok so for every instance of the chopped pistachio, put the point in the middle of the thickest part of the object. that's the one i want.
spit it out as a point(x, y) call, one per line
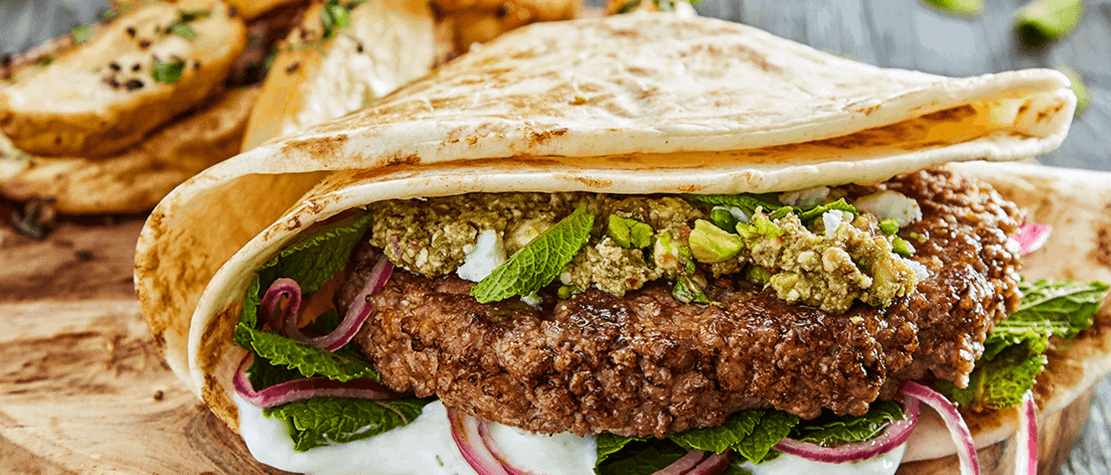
point(723, 218)
point(566, 291)
point(761, 226)
point(1046, 20)
point(918, 237)
point(902, 247)
point(711, 244)
point(687, 291)
point(629, 233)
point(757, 274)
point(889, 226)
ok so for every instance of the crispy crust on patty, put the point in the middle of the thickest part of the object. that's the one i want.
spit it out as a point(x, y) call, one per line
point(647, 365)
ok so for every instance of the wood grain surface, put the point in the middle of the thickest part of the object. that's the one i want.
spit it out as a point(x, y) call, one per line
point(83, 389)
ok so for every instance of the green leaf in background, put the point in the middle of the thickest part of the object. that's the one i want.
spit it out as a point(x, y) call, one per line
point(961, 8)
point(323, 421)
point(83, 33)
point(1079, 88)
point(1043, 21)
point(167, 72)
point(312, 259)
point(309, 361)
point(832, 431)
point(539, 262)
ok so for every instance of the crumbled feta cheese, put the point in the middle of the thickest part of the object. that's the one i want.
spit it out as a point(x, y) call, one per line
point(832, 220)
point(533, 299)
point(487, 255)
point(807, 198)
point(891, 205)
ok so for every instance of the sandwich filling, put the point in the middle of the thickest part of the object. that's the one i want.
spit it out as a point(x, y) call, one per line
point(648, 320)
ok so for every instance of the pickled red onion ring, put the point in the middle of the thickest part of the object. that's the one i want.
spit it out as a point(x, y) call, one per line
point(895, 435)
point(301, 389)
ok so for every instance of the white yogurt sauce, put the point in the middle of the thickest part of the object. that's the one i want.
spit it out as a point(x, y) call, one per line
point(787, 464)
point(422, 447)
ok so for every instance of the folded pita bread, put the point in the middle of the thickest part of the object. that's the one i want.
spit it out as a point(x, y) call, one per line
point(642, 103)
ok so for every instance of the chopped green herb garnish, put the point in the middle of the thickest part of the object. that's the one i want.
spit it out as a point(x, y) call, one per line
point(963, 8)
point(83, 33)
point(167, 72)
point(45, 59)
point(628, 6)
point(1046, 20)
point(336, 15)
point(194, 15)
point(183, 30)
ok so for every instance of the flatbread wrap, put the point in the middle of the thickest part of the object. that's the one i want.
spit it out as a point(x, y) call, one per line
point(627, 192)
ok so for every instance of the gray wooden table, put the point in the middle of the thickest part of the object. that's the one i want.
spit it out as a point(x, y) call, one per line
point(890, 33)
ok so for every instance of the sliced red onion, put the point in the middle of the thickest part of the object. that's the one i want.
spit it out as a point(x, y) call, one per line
point(356, 314)
point(278, 316)
point(895, 435)
point(465, 432)
point(301, 389)
point(715, 464)
point(1032, 237)
point(685, 464)
point(1027, 437)
point(962, 437)
point(495, 449)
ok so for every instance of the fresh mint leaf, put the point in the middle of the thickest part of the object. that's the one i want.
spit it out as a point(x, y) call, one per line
point(167, 72)
point(608, 444)
point(821, 209)
point(746, 202)
point(313, 259)
point(718, 439)
point(1013, 353)
point(1060, 301)
point(773, 427)
point(771, 206)
point(639, 457)
point(322, 421)
point(308, 360)
point(832, 431)
point(539, 262)
point(262, 374)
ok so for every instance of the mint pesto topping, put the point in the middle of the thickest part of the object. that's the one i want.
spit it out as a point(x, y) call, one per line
point(827, 254)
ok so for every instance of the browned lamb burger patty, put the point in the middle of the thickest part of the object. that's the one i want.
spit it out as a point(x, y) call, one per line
point(646, 365)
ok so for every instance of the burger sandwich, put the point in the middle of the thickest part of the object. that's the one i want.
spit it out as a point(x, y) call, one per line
point(644, 244)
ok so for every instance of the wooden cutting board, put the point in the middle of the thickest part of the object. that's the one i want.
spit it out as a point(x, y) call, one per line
point(83, 389)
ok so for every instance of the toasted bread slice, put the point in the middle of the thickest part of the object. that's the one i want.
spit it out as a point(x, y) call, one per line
point(386, 44)
point(479, 21)
point(136, 179)
point(149, 65)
